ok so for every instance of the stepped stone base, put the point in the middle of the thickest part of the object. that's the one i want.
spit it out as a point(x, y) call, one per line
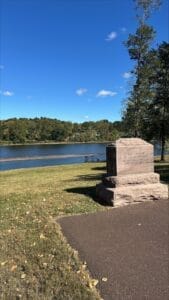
point(134, 179)
point(123, 190)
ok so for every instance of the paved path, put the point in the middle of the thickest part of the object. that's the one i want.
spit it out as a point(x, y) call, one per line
point(128, 245)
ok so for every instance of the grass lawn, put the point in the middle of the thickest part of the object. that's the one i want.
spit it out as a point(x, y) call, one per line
point(163, 169)
point(35, 260)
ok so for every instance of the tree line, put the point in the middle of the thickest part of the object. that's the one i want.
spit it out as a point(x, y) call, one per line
point(146, 110)
point(40, 130)
point(25, 130)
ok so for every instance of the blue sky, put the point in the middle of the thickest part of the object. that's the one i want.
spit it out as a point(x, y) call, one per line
point(65, 59)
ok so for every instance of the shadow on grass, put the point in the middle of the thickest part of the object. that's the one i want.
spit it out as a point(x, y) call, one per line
point(163, 170)
point(90, 177)
point(89, 191)
point(99, 168)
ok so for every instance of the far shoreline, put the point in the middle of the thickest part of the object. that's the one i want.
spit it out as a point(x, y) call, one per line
point(53, 143)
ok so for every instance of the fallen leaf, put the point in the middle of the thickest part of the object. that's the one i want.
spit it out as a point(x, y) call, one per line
point(42, 237)
point(23, 275)
point(4, 263)
point(14, 267)
point(84, 266)
point(104, 279)
point(45, 264)
point(94, 282)
point(40, 255)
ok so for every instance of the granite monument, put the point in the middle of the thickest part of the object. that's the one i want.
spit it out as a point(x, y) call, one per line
point(130, 174)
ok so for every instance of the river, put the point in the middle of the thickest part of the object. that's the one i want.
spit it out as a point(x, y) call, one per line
point(27, 156)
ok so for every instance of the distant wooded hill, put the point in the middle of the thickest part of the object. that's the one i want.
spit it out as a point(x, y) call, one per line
point(25, 130)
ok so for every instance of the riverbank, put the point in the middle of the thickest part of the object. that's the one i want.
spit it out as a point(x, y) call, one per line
point(34, 143)
point(36, 261)
point(157, 158)
point(45, 157)
point(25, 158)
point(53, 143)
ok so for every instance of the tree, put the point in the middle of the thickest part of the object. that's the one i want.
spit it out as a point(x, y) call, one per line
point(45, 129)
point(17, 131)
point(159, 108)
point(145, 8)
point(138, 45)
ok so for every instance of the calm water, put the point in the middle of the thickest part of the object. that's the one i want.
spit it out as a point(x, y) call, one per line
point(80, 151)
point(96, 152)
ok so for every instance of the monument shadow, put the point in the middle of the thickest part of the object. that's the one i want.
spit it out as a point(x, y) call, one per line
point(89, 191)
point(163, 170)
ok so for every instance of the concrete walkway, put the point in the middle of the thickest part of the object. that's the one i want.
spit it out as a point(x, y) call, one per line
point(127, 245)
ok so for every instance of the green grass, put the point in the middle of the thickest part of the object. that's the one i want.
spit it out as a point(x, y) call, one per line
point(35, 260)
point(163, 170)
point(162, 167)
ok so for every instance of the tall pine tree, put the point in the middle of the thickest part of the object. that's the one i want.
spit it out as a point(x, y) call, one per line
point(158, 112)
point(138, 45)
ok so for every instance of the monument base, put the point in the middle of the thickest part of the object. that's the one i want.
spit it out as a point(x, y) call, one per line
point(123, 190)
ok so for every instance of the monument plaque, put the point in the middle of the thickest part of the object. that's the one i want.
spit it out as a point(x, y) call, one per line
point(130, 174)
point(129, 156)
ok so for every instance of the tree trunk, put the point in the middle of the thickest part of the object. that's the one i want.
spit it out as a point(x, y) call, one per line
point(162, 148)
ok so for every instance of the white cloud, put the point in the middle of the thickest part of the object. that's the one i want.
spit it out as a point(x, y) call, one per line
point(7, 93)
point(86, 117)
point(123, 29)
point(126, 75)
point(111, 36)
point(1, 67)
point(106, 93)
point(81, 91)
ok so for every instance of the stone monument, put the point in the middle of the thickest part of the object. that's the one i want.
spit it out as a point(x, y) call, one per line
point(130, 174)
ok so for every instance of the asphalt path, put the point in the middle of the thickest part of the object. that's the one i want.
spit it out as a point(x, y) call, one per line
point(126, 249)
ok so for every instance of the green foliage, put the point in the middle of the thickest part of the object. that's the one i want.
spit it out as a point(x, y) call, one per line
point(145, 7)
point(158, 110)
point(146, 113)
point(46, 130)
point(141, 94)
point(138, 48)
point(138, 43)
